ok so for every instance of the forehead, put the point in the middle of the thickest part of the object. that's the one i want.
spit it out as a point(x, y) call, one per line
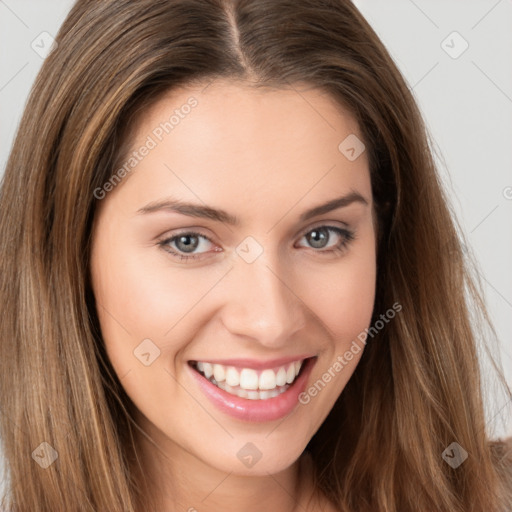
point(229, 141)
point(225, 108)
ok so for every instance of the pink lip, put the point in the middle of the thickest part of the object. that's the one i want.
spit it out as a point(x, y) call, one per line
point(255, 364)
point(256, 410)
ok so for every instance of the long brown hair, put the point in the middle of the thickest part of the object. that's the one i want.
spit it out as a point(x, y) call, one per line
point(417, 388)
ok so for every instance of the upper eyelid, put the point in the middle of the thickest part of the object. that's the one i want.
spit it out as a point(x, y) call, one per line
point(318, 224)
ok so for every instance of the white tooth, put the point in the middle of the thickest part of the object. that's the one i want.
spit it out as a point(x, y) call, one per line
point(219, 372)
point(208, 370)
point(253, 395)
point(264, 395)
point(290, 373)
point(298, 365)
point(221, 385)
point(274, 393)
point(242, 393)
point(228, 388)
point(267, 379)
point(232, 376)
point(281, 377)
point(248, 379)
point(200, 366)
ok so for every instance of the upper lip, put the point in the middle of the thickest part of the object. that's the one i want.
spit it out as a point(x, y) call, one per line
point(255, 363)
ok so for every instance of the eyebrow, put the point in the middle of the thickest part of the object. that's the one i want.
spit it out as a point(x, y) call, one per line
point(208, 212)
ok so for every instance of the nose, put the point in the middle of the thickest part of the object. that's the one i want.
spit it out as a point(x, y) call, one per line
point(261, 302)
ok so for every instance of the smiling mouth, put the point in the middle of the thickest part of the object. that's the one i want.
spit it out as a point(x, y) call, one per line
point(250, 383)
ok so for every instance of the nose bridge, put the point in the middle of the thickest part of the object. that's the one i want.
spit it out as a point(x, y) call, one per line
point(262, 303)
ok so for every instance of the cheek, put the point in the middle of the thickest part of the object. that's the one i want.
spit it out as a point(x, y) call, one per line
point(344, 305)
point(141, 297)
point(343, 295)
point(144, 312)
point(145, 294)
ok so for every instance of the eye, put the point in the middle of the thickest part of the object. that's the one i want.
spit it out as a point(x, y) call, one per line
point(185, 244)
point(321, 236)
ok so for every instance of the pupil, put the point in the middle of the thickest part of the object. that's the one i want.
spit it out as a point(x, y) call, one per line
point(318, 237)
point(185, 239)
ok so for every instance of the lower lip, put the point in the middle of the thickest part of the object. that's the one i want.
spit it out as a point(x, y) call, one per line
point(256, 410)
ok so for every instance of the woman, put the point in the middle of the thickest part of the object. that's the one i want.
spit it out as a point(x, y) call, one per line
point(230, 276)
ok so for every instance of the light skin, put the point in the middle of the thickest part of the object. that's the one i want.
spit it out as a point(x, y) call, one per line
point(264, 156)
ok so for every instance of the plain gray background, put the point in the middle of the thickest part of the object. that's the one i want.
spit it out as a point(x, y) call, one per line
point(464, 93)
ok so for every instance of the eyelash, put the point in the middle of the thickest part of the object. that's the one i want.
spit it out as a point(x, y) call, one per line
point(347, 237)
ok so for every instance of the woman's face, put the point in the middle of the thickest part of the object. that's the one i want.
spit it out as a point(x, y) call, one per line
point(216, 253)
